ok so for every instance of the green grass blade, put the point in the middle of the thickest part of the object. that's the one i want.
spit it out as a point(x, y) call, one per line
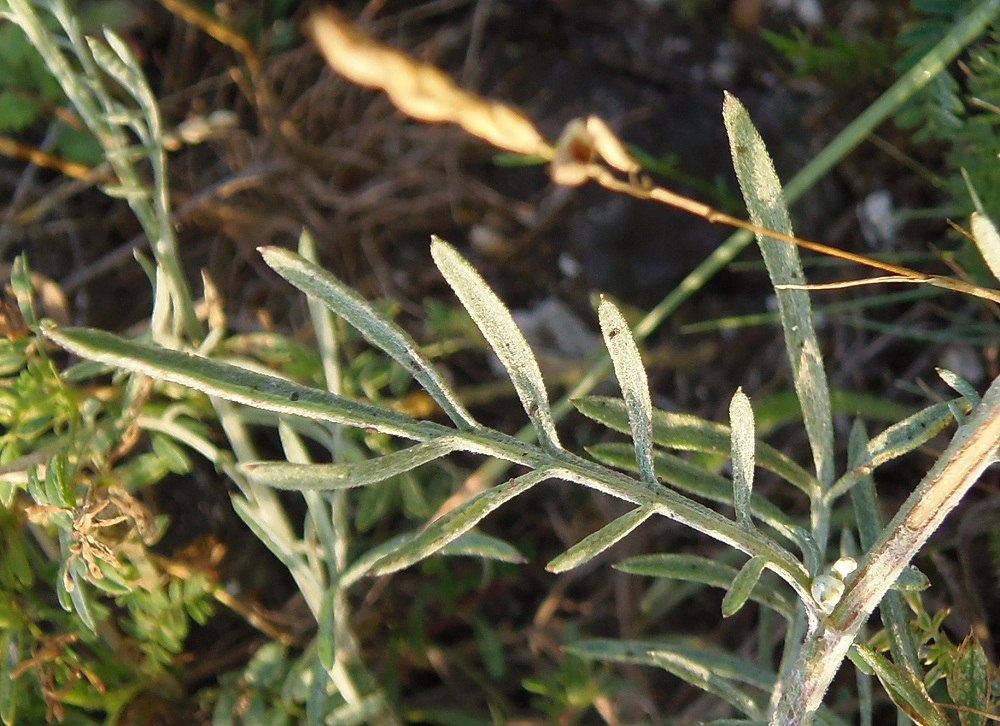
point(317, 283)
point(238, 384)
point(503, 335)
point(594, 544)
point(766, 205)
point(632, 378)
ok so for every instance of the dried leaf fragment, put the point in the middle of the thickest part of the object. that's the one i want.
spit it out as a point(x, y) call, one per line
point(419, 89)
point(581, 144)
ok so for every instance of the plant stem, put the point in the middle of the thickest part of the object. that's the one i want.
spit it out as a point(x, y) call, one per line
point(973, 449)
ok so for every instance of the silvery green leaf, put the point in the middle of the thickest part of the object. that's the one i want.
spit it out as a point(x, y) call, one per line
point(111, 64)
point(984, 232)
point(690, 568)
point(483, 546)
point(905, 689)
point(695, 568)
point(322, 319)
point(321, 477)
point(501, 332)
point(702, 677)
point(632, 379)
point(863, 498)
point(457, 522)
point(961, 386)
point(690, 433)
point(319, 284)
point(129, 192)
point(895, 441)
point(723, 665)
point(238, 384)
point(766, 205)
point(123, 51)
point(742, 585)
point(742, 439)
point(594, 544)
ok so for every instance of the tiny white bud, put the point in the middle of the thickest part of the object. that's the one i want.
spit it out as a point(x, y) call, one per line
point(827, 591)
point(843, 567)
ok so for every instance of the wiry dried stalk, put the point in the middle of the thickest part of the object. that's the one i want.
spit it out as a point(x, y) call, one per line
point(585, 150)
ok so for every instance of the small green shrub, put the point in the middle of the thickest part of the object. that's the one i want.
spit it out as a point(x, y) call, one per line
point(196, 390)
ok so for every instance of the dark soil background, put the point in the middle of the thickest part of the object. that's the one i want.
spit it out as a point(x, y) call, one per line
point(373, 186)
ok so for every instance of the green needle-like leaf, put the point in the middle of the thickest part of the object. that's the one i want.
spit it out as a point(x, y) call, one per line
point(895, 441)
point(905, 689)
point(695, 568)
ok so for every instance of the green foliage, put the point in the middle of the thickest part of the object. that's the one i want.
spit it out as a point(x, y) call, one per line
point(75, 534)
point(957, 677)
point(81, 587)
point(834, 57)
point(29, 91)
point(960, 111)
point(568, 692)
